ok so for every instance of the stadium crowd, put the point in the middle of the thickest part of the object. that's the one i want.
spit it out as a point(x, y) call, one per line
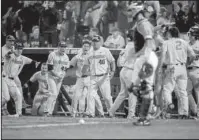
point(45, 23)
point(102, 25)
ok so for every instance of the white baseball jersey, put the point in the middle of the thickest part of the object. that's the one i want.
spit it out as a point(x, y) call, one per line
point(13, 66)
point(42, 81)
point(176, 51)
point(99, 61)
point(4, 51)
point(195, 47)
point(58, 61)
point(78, 61)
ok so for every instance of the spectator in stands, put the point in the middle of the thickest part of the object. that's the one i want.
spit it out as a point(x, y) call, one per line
point(34, 40)
point(48, 24)
point(163, 17)
point(28, 17)
point(20, 35)
point(195, 15)
point(115, 40)
point(68, 23)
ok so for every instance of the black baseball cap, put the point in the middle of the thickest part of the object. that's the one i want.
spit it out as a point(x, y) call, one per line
point(62, 44)
point(96, 38)
point(10, 37)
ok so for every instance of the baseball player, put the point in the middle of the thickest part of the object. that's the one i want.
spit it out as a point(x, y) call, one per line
point(143, 27)
point(8, 47)
point(83, 81)
point(126, 75)
point(193, 72)
point(44, 90)
point(13, 64)
point(102, 68)
point(173, 59)
point(58, 62)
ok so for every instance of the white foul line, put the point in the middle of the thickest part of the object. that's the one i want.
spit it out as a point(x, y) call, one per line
point(61, 124)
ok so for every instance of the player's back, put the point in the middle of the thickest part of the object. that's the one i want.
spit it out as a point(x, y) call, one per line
point(176, 51)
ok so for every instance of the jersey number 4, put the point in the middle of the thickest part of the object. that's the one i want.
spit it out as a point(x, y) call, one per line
point(102, 61)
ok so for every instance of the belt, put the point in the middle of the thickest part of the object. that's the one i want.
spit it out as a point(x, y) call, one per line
point(84, 76)
point(101, 74)
point(11, 78)
point(192, 67)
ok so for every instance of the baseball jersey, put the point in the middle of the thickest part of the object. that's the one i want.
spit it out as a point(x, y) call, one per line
point(4, 51)
point(129, 56)
point(78, 61)
point(176, 51)
point(13, 66)
point(99, 61)
point(42, 81)
point(58, 61)
point(195, 47)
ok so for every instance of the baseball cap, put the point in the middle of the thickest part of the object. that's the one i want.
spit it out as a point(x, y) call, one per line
point(10, 37)
point(96, 38)
point(19, 44)
point(62, 44)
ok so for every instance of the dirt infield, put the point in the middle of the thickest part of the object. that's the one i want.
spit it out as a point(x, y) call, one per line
point(68, 128)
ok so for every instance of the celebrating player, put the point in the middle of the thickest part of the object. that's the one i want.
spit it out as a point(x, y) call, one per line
point(173, 60)
point(126, 75)
point(8, 47)
point(44, 91)
point(83, 80)
point(58, 62)
point(99, 61)
point(193, 72)
point(13, 65)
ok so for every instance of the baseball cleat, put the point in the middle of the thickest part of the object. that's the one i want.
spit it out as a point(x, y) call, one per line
point(25, 105)
point(142, 122)
point(183, 117)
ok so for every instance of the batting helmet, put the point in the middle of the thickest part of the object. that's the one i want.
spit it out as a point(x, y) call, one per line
point(146, 71)
point(194, 31)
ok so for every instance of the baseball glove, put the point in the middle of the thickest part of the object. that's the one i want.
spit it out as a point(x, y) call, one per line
point(146, 71)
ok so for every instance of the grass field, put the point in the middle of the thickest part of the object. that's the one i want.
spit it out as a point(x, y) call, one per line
point(28, 127)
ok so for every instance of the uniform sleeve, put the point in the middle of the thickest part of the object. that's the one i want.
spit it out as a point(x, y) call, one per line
point(121, 43)
point(50, 58)
point(27, 60)
point(146, 29)
point(109, 56)
point(190, 51)
point(34, 77)
point(73, 61)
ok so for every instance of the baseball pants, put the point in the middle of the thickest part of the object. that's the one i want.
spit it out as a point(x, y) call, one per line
point(193, 84)
point(125, 80)
point(39, 103)
point(18, 83)
point(176, 80)
point(93, 99)
point(9, 88)
point(80, 94)
point(55, 85)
